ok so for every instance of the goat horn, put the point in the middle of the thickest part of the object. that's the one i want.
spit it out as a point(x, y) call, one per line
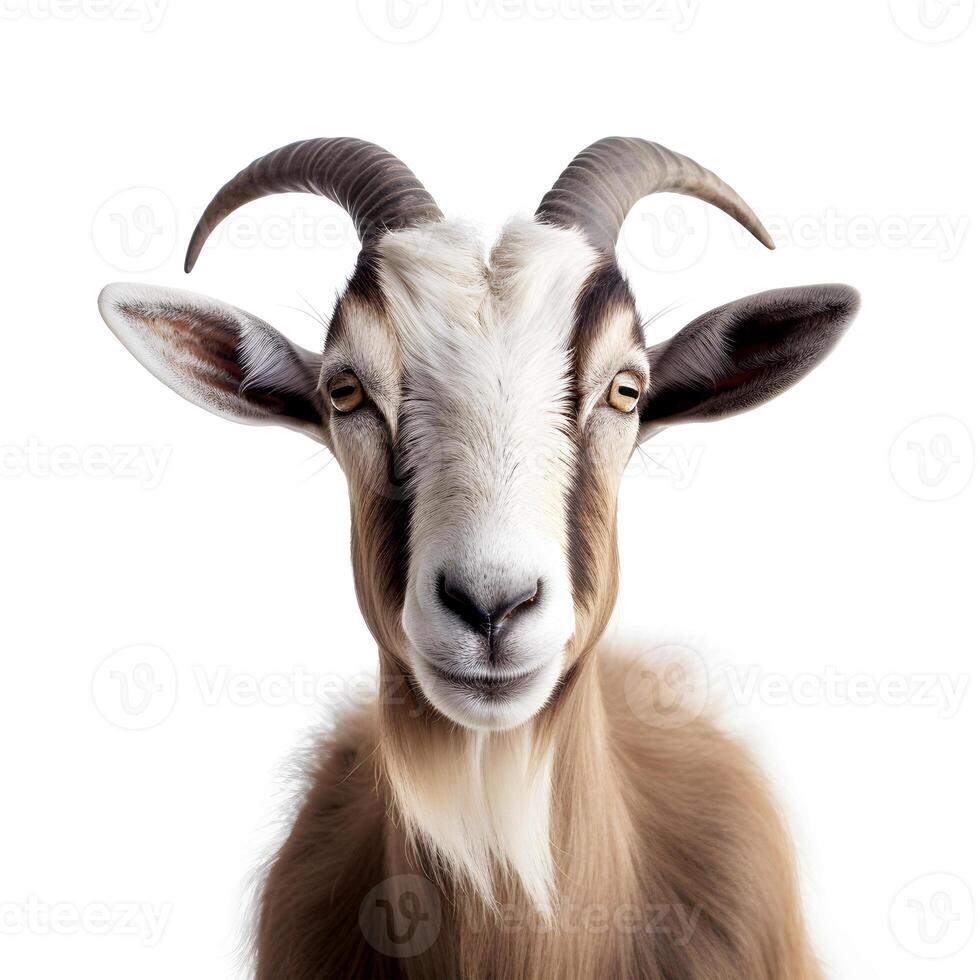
point(378, 191)
point(599, 187)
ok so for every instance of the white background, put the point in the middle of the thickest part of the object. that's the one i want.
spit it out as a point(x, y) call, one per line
point(820, 554)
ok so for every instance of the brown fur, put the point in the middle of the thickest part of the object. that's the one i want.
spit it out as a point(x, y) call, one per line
point(673, 861)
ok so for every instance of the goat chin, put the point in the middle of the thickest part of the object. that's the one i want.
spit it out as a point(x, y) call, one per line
point(489, 707)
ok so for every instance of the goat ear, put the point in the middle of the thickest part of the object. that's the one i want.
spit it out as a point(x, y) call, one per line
point(216, 356)
point(744, 353)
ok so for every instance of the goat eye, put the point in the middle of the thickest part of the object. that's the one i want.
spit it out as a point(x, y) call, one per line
point(346, 392)
point(624, 392)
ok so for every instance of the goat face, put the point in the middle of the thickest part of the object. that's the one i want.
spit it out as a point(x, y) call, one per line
point(483, 409)
point(470, 383)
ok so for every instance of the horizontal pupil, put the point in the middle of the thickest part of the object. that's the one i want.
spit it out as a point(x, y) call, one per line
point(628, 392)
point(342, 392)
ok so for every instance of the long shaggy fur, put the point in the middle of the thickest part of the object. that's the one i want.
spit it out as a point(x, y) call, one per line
point(671, 861)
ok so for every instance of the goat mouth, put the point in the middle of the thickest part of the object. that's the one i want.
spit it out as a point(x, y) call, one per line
point(485, 686)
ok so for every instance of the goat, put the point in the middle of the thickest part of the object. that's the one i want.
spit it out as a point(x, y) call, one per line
point(503, 811)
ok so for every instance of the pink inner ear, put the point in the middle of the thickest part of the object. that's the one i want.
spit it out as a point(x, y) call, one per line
point(203, 349)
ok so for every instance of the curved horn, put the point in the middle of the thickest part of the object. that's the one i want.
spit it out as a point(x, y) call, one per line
point(378, 191)
point(599, 187)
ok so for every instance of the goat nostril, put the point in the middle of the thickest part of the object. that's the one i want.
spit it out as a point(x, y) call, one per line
point(458, 602)
point(516, 605)
point(488, 622)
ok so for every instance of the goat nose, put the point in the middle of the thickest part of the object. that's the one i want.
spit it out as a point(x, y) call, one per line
point(480, 617)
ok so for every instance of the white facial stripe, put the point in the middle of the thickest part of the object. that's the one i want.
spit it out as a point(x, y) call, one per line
point(484, 351)
point(485, 356)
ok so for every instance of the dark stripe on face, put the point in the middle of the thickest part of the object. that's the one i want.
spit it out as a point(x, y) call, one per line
point(380, 498)
point(380, 552)
point(365, 282)
point(380, 517)
point(590, 507)
point(581, 557)
point(364, 289)
point(604, 291)
point(593, 554)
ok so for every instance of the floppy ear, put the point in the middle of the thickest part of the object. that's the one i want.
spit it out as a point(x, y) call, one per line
point(216, 356)
point(743, 353)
